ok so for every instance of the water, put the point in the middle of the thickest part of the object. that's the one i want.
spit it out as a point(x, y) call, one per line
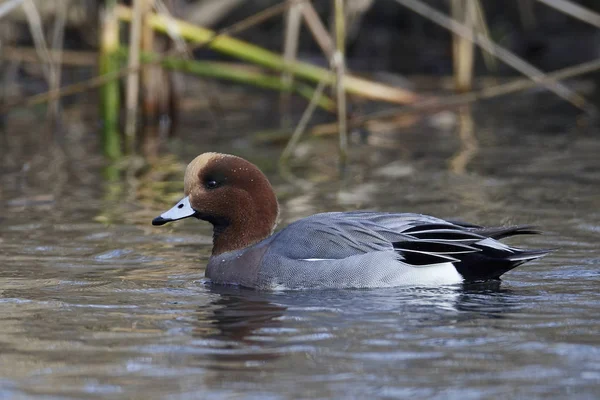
point(96, 303)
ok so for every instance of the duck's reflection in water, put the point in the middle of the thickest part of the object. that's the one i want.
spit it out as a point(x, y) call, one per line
point(238, 313)
point(488, 299)
point(234, 327)
point(243, 328)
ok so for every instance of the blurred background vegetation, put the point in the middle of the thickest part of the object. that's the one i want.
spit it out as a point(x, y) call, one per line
point(123, 79)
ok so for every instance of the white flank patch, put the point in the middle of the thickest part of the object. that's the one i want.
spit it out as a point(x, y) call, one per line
point(438, 274)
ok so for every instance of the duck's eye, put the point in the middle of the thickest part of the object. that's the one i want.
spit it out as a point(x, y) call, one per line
point(211, 184)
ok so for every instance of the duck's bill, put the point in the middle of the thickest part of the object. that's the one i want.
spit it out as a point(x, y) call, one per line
point(181, 210)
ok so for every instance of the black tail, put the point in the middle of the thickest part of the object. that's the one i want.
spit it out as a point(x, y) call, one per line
point(491, 264)
point(474, 251)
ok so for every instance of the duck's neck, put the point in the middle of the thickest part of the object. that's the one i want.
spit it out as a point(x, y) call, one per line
point(230, 235)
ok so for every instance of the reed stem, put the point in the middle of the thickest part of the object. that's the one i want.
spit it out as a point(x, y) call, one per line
point(109, 92)
point(151, 85)
point(462, 48)
point(301, 127)
point(339, 66)
point(290, 50)
point(133, 78)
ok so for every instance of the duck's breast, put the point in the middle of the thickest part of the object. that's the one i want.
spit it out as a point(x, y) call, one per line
point(240, 267)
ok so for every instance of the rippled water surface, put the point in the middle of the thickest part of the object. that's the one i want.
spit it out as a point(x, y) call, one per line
point(96, 303)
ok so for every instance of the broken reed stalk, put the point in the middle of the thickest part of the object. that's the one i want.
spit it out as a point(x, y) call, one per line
point(58, 34)
point(260, 56)
point(109, 92)
point(133, 78)
point(339, 66)
point(301, 127)
point(499, 52)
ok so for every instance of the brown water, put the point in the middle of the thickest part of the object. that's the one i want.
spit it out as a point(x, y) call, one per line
point(96, 303)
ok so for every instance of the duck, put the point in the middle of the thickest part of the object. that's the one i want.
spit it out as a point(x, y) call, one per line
point(332, 250)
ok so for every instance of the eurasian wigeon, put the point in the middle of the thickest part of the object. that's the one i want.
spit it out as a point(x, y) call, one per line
point(359, 249)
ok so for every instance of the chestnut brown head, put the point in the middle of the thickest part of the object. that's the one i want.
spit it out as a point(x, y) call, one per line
point(230, 193)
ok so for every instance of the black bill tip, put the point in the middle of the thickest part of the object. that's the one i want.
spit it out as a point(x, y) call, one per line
point(160, 221)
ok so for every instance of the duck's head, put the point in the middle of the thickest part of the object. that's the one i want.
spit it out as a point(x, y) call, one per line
point(230, 193)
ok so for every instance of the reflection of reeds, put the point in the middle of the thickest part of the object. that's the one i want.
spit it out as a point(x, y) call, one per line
point(469, 146)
